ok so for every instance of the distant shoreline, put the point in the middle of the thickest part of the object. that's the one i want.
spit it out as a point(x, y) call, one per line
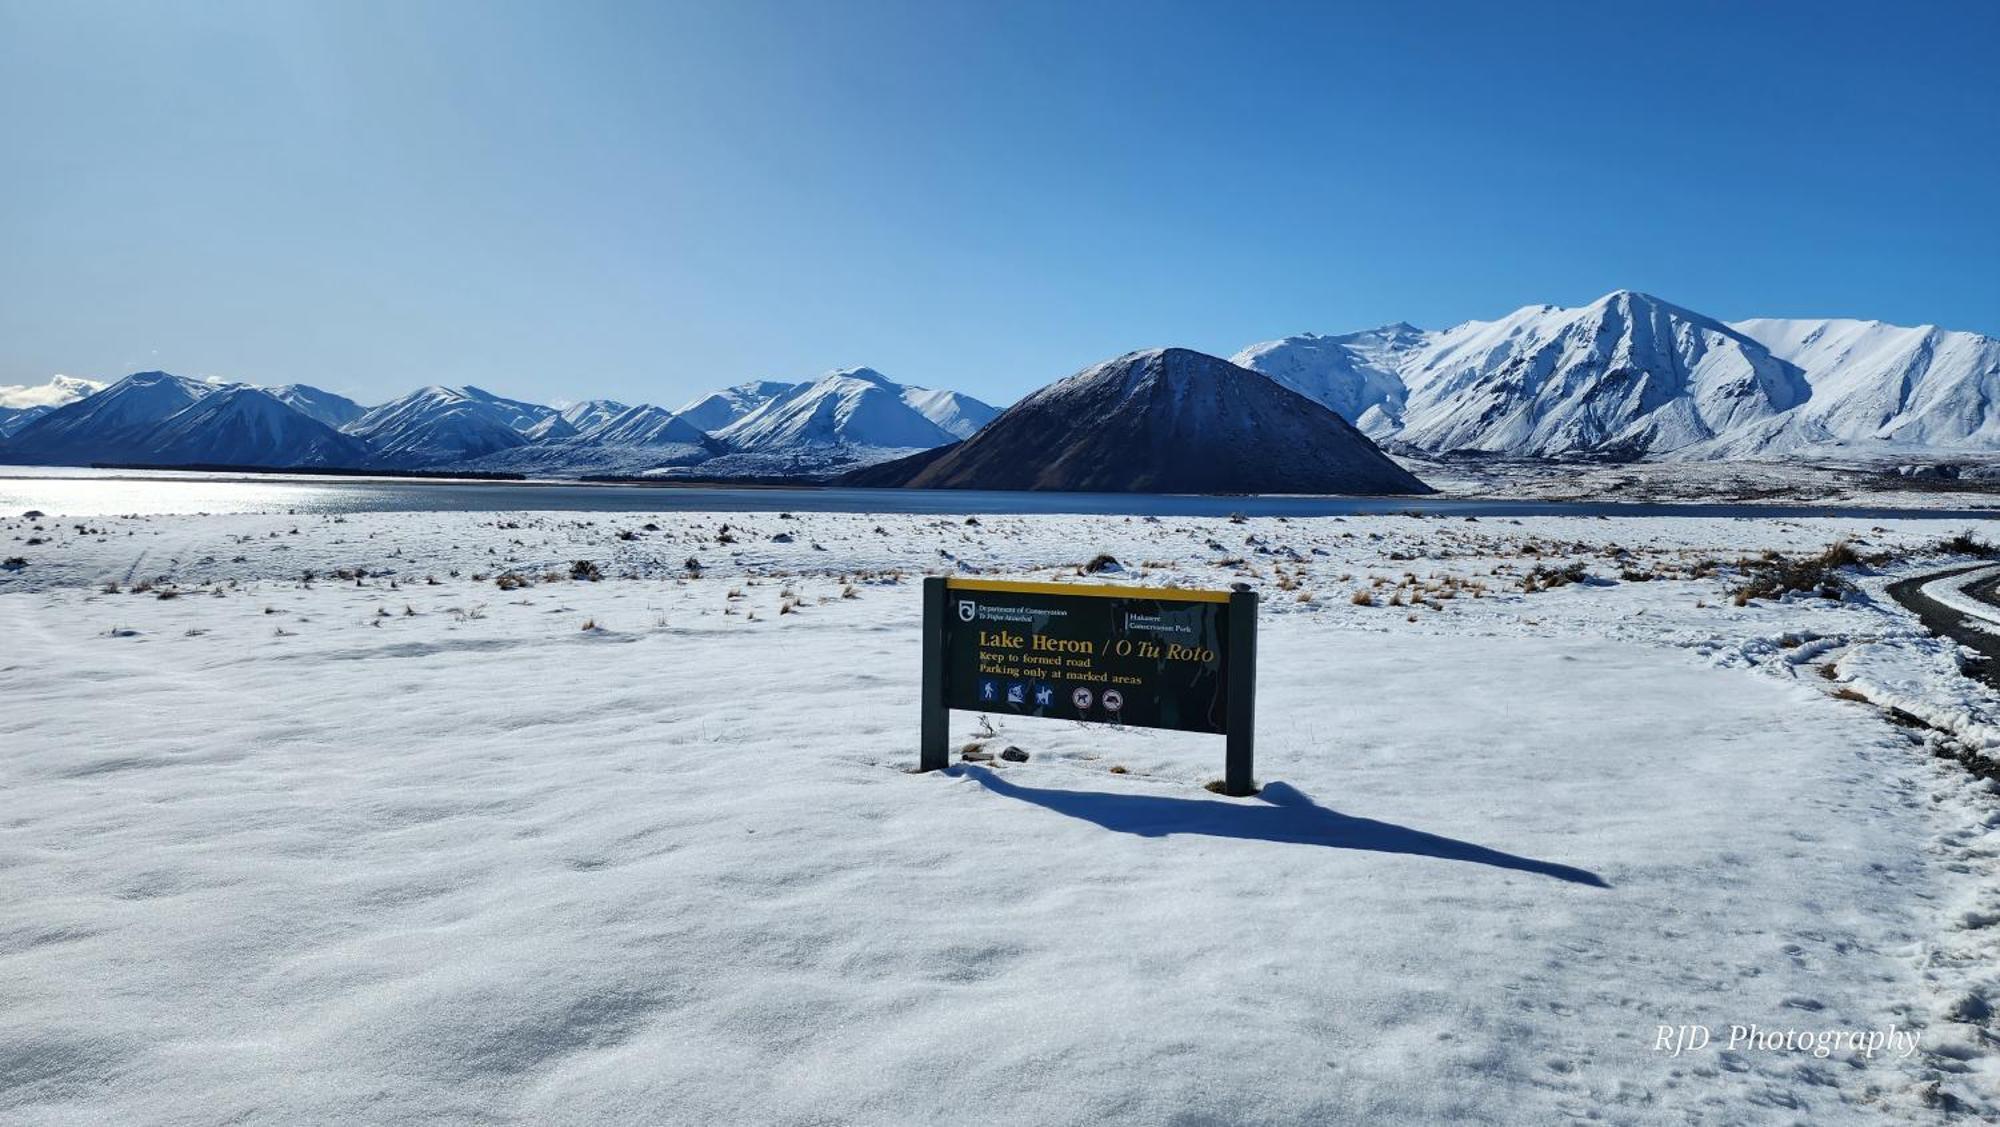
point(467, 477)
point(308, 471)
point(353, 491)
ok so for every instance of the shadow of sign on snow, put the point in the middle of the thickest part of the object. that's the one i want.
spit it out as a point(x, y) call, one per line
point(1285, 815)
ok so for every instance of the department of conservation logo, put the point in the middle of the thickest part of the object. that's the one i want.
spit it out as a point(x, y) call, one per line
point(966, 609)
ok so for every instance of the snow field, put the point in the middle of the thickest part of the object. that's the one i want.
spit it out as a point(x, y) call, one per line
point(283, 851)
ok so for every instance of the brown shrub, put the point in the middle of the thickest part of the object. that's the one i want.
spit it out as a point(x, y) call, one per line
point(1772, 576)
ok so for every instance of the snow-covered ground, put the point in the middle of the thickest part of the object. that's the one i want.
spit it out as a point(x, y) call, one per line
point(1967, 481)
point(393, 844)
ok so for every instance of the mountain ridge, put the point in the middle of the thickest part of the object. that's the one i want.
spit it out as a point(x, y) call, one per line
point(435, 424)
point(1628, 376)
point(111, 425)
point(245, 425)
point(1158, 420)
point(858, 408)
point(1633, 376)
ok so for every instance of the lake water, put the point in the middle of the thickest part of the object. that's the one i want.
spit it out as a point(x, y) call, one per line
point(84, 492)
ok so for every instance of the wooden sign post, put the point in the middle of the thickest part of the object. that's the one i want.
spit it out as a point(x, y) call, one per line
point(1149, 657)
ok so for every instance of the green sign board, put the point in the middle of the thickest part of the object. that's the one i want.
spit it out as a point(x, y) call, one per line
point(1141, 656)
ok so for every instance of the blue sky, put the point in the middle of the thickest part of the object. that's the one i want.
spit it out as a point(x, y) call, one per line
point(649, 200)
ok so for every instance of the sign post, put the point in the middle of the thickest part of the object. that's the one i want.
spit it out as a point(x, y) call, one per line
point(934, 755)
point(1240, 671)
point(1150, 657)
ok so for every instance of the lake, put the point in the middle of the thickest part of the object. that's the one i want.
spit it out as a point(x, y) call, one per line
point(66, 492)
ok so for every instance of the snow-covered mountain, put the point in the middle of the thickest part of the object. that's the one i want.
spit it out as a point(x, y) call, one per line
point(840, 420)
point(718, 409)
point(159, 419)
point(23, 404)
point(1165, 420)
point(13, 419)
point(852, 408)
point(335, 411)
point(575, 419)
point(633, 442)
point(519, 414)
point(1876, 385)
point(646, 425)
point(955, 413)
point(1355, 374)
point(60, 390)
point(590, 414)
point(247, 426)
point(555, 428)
point(1626, 375)
point(434, 425)
point(116, 424)
point(1630, 375)
point(855, 413)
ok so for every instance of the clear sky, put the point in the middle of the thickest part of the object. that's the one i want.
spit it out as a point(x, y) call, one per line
point(646, 200)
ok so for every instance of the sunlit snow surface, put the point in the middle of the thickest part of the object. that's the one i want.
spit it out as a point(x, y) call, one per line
point(383, 850)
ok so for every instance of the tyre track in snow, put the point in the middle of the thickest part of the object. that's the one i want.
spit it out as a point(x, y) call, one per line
point(1952, 623)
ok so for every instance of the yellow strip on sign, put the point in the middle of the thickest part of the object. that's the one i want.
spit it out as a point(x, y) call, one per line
point(1022, 587)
